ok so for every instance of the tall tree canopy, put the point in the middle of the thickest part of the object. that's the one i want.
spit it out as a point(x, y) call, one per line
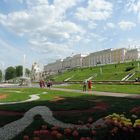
point(19, 71)
point(0, 75)
point(10, 73)
point(27, 72)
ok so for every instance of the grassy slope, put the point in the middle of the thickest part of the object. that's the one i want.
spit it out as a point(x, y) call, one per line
point(109, 72)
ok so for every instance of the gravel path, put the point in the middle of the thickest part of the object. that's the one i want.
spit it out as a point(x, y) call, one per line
point(33, 97)
point(100, 93)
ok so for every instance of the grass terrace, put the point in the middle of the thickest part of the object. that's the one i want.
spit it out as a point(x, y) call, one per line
point(109, 72)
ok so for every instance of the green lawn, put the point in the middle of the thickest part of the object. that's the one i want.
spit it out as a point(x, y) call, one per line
point(24, 94)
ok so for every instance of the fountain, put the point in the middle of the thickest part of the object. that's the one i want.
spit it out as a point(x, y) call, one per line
point(24, 81)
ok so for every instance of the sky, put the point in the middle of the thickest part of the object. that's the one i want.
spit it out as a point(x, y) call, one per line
point(47, 30)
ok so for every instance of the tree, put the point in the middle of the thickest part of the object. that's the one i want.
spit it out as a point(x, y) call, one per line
point(10, 73)
point(19, 71)
point(0, 75)
point(27, 72)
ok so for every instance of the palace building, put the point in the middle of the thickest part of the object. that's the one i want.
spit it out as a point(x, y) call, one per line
point(103, 57)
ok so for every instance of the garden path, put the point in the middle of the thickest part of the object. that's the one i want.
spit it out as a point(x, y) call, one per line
point(32, 98)
point(100, 93)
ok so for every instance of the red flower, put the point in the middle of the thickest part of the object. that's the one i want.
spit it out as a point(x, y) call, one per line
point(26, 137)
point(54, 133)
point(36, 138)
point(44, 132)
point(135, 109)
point(67, 131)
point(90, 119)
point(44, 126)
point(59, 136)
point(93, 132)
point(75, 133)
point(82, 138)
point(36, 133)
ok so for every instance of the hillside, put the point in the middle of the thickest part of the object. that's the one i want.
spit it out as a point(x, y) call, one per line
point(103, 73)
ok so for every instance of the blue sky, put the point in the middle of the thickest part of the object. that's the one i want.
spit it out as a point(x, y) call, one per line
point(46, 30)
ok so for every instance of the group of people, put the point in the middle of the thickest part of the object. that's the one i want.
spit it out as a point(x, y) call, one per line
point(87, 83)
point(42, 84)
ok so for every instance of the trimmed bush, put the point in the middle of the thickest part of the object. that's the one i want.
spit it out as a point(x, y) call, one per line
point(129, 68)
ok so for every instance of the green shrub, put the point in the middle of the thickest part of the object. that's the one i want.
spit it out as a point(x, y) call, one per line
point(129, 68)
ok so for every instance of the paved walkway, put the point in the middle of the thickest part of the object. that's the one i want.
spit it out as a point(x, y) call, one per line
point(78, 91)
point(100, 93)
point(33, 97)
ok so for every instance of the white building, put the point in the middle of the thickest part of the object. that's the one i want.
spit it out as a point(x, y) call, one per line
point(118, 55)
point(85, 61)
point(105, 57)
point(108, 56)
point(53, 68)
point(76, 60)
point(66, 64)
point(36, 72)
point(100, 57)
point(132, 54)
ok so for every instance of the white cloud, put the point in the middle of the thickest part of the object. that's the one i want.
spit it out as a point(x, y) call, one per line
point(96, 37)
point(96, 10)
point(126, 25)
point(92, 25)
point(63, 5)
point(134, 6)
point(45, 25)
point(110, 25)
point(36, 2)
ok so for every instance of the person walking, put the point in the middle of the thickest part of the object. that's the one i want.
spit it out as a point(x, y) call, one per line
point(85, 85)
point(43, 83)
point(40, 83)
point(89, 85)
point(49, 84)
